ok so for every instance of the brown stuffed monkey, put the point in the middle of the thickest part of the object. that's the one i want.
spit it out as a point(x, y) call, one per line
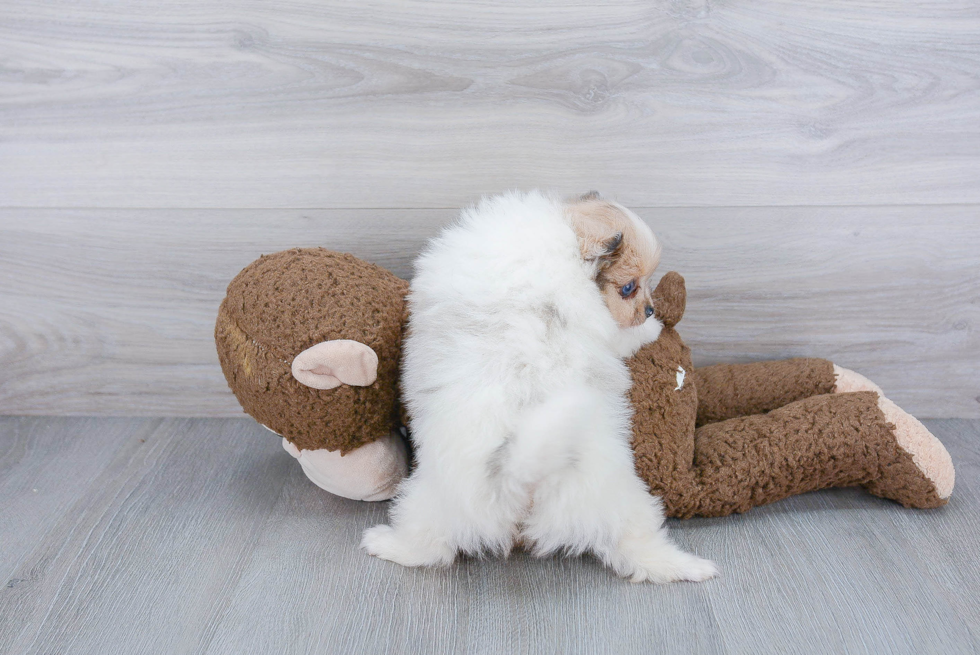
point(309, 341)
point(726, 438)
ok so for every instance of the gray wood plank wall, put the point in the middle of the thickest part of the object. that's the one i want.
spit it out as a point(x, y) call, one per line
point(813, 169)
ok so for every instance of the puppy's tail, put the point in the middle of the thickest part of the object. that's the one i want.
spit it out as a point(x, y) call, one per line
point(548, 435)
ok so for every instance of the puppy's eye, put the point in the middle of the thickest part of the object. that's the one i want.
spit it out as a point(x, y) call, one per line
point(648, 311)
point(628, 290)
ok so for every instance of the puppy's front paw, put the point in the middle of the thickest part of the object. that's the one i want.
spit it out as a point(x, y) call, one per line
point(384, 542)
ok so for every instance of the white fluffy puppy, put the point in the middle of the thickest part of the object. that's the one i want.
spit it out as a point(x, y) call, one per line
point(513, 371)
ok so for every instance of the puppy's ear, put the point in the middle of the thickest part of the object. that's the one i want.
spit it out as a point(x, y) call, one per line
point(600, 236)
point(601, 246)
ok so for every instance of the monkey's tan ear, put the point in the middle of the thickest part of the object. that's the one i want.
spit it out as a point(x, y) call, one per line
point(330, 364)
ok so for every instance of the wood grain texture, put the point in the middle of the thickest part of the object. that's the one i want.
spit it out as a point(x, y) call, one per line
point(412, 104)
point(112, 311)
point(44, 466)
point(203, 536)
point(159, 536)
point(828, 586)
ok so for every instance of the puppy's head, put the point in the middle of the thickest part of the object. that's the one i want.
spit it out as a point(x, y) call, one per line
point(623, 253)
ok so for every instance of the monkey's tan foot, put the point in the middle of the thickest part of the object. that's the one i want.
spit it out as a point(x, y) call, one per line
point(370, 472)
point(930, 459)
point(847, 381)
point(926, 477)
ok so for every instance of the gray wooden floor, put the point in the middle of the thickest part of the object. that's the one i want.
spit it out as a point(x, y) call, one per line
point(140, 535)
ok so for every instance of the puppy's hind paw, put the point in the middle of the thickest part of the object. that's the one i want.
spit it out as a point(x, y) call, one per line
point(384, 542)
point(380, 541)
point(697, 569)
point(659, 561)
point(684, 567)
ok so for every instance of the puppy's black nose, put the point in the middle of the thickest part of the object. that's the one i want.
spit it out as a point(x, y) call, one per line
point(649, 311)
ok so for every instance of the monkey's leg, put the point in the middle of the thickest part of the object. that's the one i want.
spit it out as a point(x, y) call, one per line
point(833, 440)
point(731, 390)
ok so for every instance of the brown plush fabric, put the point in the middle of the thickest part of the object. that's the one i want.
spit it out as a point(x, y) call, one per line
point(730, 390)
point(737, 436)
point(831, 440)
point(663, 416)
point(282, 304)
